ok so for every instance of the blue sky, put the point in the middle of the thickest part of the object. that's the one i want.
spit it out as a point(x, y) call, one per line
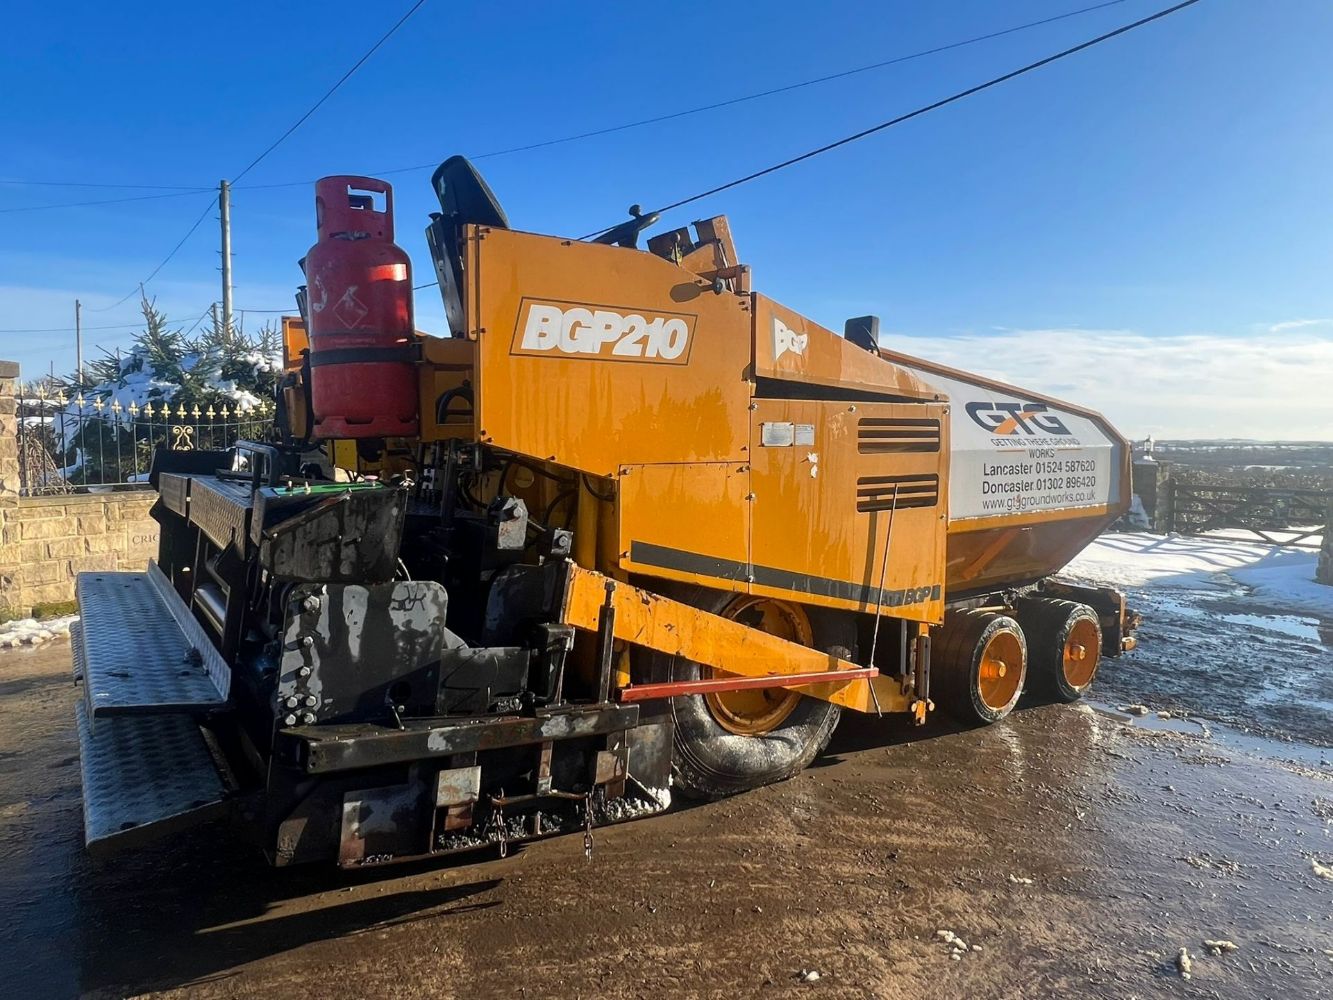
point(1144, 227)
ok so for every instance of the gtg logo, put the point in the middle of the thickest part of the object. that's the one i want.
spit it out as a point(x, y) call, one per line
point(1006, 418)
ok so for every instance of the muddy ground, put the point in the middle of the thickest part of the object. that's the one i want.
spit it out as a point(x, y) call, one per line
point(1074, 852)
point(1219, 652)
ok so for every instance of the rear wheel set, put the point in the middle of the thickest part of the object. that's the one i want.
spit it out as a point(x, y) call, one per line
point(985, 660)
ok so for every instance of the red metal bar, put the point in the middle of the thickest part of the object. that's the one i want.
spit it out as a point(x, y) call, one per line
point(670, 689)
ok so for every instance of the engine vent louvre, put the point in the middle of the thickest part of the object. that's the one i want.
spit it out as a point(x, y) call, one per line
point(876, 492)
point(887, 435)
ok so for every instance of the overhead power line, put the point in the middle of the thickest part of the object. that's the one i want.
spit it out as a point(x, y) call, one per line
point(153, 274)
point(137, 324)
point(730, 102)
point(575, 137)
point(207, 310)
point(255, 162)
point(177, 191)
point(996, 81)
point(329, 93)
point(785, 89)
point(70, 329)
point(93, 184)
point(104, 201)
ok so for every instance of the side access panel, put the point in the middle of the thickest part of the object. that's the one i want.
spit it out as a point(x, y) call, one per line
point(686, 522)
point(828, 480)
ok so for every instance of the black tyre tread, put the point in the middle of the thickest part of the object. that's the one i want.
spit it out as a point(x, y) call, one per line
point(696, 777)
point(710, 763)
point(953, 664)
point(1044, 621)
point(951, 656)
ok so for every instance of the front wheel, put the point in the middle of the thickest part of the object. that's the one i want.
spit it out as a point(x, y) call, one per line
point(730, 741)
point(979, 666)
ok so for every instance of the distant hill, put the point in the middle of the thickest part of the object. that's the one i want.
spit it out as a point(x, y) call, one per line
point(1275, 463)
point(1232, 452)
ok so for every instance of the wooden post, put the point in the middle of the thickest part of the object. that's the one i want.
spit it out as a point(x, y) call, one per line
point(1165, 516)
point(1324, 571)
point(224, 206)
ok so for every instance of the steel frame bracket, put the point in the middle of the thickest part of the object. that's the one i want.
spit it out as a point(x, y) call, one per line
point(596, 603)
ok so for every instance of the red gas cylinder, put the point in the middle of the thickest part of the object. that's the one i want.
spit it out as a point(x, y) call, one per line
point(363, 380)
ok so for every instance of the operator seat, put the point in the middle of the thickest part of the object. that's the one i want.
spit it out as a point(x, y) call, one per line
point(465, 199)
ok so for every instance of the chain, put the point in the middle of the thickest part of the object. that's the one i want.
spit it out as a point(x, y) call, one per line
point(502, 834)
point(587, 826)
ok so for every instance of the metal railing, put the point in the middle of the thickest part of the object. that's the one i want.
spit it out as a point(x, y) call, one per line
point(79, 444)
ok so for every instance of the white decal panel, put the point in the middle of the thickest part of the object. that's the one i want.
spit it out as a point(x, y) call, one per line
point(598, 332)
point(1011, 454)
point(786, 339)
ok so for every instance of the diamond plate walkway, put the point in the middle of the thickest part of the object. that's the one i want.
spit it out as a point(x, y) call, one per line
point(147, 669)
point(139, 650)
point(143, 777)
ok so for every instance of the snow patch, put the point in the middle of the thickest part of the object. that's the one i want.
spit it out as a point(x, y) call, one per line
point(31, 632)
point(1276, 575)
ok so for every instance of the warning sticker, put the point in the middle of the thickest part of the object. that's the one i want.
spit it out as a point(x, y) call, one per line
point(350, 311)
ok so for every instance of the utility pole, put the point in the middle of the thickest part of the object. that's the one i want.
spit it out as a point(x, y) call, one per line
point(224, 203)
point(78, 340)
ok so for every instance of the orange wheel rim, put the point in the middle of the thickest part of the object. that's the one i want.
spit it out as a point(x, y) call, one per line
point(756, 711)
point(1000, 671)
point(1081, 652)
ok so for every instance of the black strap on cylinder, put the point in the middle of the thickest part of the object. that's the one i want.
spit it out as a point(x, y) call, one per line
point(363, 355)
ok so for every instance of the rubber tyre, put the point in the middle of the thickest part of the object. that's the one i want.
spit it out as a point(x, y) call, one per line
point(1047, 623)
point(707, 761)
point(955, 665)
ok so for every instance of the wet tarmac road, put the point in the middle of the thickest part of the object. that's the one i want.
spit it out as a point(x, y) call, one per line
point(1221, 654)
point(1136, 843)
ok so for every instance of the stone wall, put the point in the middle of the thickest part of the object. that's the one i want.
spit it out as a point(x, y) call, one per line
point(46, 541)
point(1152, 485)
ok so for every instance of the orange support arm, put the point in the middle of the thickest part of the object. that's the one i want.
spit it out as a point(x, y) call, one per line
point(659, 623)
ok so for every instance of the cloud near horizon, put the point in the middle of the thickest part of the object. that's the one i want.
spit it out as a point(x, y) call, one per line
point(1271, 384)
point(1274, 385)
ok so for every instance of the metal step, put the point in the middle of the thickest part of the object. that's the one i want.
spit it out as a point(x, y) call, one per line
point(140, 651)
point(144, 776)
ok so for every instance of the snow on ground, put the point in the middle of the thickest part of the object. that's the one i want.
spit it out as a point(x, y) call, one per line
point(1277, 575)
point(31, 632)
